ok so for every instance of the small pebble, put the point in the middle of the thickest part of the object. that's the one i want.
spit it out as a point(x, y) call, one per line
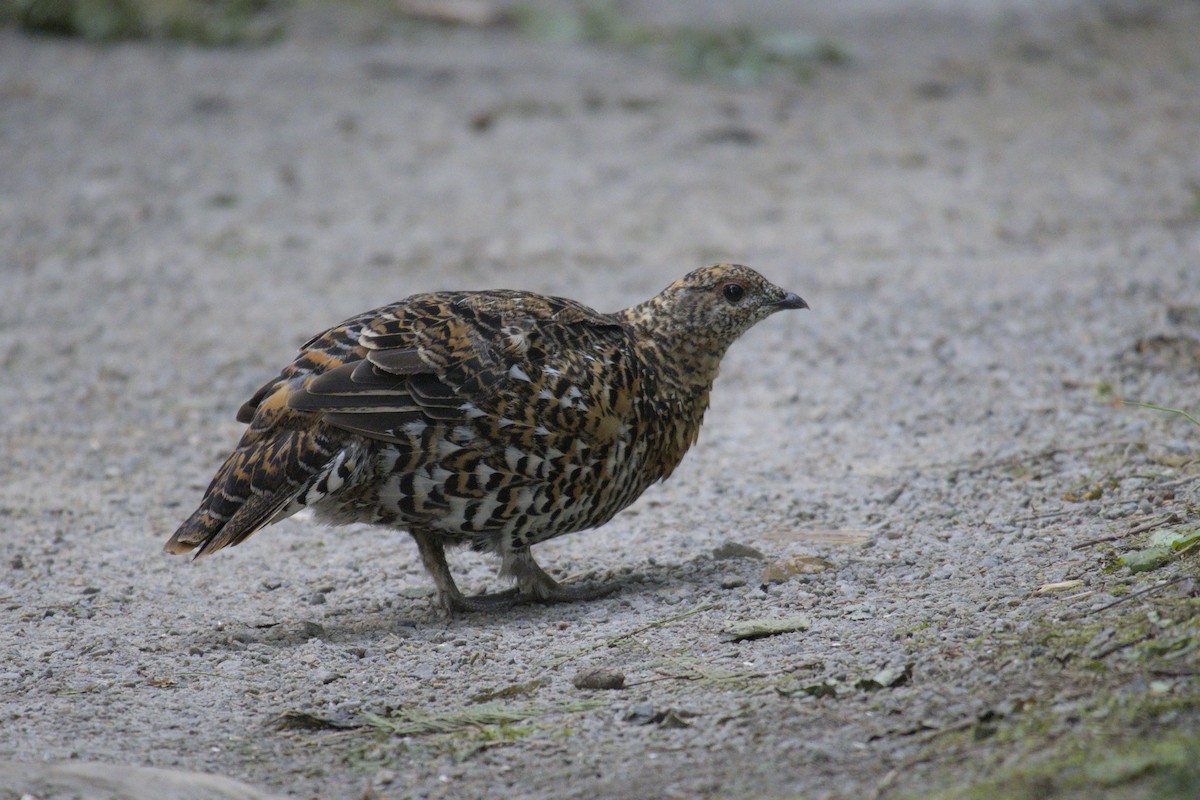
point(732, 582)
point(316, 599)
point(304, 629)
point(641, 714)
point(733, 549)
point(599, 678)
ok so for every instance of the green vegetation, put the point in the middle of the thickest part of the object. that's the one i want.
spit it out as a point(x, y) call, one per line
point(1163, 767)
point(1118, 720)
point(1154, 407)
point(1162, 546)
point(737, 56)
point(421, 723)
point(206, 22)
point(460, 732)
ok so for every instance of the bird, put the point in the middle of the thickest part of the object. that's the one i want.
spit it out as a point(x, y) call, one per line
point(492, 419)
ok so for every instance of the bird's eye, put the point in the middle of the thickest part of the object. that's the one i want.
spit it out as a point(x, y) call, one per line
point(733, 292)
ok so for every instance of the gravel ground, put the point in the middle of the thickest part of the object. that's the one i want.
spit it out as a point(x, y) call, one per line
point(994, 212)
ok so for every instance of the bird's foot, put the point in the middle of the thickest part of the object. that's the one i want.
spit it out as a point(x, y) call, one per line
point(537, 586)
point(455, 601)
point(571, 594)
point(502, 601)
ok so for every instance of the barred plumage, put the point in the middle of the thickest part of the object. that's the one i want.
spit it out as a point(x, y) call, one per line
point(495, 419)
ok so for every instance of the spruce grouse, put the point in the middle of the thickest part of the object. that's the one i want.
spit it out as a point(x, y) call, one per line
point(495, 419)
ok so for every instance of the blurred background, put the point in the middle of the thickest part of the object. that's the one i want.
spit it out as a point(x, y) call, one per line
point(992, 207)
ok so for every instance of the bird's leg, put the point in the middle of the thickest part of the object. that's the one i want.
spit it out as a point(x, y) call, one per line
point(534, 584)
point(433, 556)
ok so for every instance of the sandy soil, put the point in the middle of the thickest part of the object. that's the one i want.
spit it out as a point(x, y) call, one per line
point(994, 212)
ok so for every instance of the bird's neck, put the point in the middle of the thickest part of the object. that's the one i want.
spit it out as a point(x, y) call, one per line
point(686, 358)
point(684, 365)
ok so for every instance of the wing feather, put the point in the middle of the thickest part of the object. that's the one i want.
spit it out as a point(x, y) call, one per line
point(445, 357)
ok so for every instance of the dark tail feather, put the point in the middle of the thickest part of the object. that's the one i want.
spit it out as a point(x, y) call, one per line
point(254, 485)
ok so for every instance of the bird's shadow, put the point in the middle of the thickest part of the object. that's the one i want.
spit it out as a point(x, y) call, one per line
point(367, 620)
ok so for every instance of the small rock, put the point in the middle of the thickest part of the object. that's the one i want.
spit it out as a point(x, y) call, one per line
point(675, 719)
point(18, 562)
point(291, 720)
point(302, 630)
point(885, 678)
point(316, 599)
point(75, 778)
point(327, 677)
point(641, 714)
point(731, 135)
point(647, 714)
point(245, 636)
point(825, 688)
point(733, 582)
point(599, 678)
point(1179, 447)
point(736, 550)
point(1184, 315)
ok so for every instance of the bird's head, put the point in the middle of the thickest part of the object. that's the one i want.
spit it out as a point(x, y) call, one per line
point(718, 304)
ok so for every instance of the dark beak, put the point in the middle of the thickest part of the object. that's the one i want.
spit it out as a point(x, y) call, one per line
point(792, 300)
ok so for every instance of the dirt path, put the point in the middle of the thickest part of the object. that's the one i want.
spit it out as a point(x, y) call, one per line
point(995, 216)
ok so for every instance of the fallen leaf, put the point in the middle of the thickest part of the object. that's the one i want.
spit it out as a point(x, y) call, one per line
point(1146, 560)
point(1061, 586)
point(850, 536)
point(505, 692)
point(1174, 538)
point(785, 569)
point(760, 628)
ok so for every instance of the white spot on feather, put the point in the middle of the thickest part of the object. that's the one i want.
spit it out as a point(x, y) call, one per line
point(472, 411)
point(487, 507)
